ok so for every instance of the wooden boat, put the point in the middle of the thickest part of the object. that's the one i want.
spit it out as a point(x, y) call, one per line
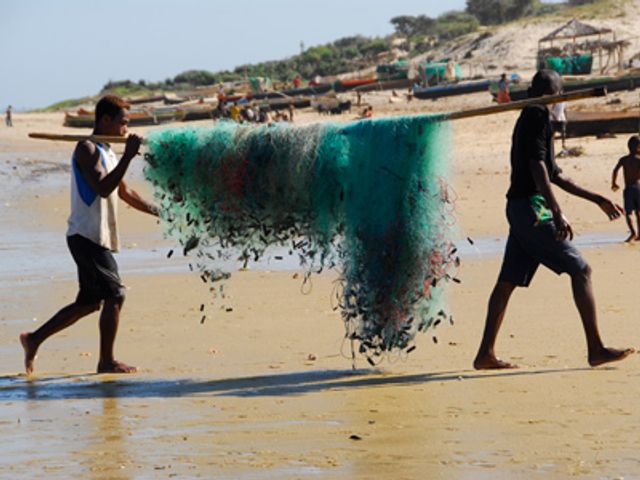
point(461, 88)
point(345, 85)
point(584, 124)
point(293, 92)
point(612, 84)
point(158, 97)
point(84, 118)
point(399, 83)
point(197, 112)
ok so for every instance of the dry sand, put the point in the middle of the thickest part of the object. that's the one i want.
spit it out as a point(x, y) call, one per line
point(266, 390)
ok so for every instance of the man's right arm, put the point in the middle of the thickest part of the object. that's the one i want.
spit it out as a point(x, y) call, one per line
point(88, 159)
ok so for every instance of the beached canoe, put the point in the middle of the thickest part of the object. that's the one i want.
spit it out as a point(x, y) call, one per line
point(585, 124)
point(293, 92)
point(612, 84)
point(461, 88)
point(345, 85)
point(399, 84)
point(84, 119)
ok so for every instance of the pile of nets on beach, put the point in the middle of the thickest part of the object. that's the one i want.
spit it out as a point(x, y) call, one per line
point(369, 198)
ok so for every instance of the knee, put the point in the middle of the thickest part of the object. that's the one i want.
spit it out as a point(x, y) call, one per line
point(117, 300)
point(583, 274)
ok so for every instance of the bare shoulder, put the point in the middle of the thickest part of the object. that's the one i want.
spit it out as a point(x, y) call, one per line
point(86, 153)
point(625, 160)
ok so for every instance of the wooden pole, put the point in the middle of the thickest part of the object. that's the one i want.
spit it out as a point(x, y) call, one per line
point(461, 114)
point(78, 138)
point(505, 107)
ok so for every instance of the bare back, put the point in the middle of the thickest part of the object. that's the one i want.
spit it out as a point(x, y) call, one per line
point(631, 169)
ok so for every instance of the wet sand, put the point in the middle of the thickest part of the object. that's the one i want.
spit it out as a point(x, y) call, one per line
point(265, 387)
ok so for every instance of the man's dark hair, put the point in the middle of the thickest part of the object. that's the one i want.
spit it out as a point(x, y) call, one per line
point(545, 82)
point(110, 105)
point(633, 143)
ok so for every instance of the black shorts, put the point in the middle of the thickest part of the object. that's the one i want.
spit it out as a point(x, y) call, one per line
point(97, 271)
point(631, 197)
point(532, 243)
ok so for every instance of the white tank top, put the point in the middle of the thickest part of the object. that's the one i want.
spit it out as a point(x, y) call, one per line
point(94, 217)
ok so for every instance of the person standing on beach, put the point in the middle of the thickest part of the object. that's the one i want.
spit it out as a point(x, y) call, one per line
point(8, 117)
point(96, 182)
point(503, 90)
point(630, 165)
point(539, 232)
point(559, 122)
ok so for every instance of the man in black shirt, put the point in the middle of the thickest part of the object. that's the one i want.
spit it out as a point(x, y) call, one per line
point(538, 232)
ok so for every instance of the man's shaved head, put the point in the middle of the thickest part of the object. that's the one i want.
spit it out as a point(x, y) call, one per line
point(545, 82)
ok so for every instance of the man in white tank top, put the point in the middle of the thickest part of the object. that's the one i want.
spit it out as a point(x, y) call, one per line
point(96, 182)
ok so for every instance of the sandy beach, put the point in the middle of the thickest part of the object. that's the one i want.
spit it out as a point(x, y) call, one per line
point(265, 388)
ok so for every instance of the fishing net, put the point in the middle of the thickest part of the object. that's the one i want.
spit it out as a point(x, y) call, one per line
point(369, 198)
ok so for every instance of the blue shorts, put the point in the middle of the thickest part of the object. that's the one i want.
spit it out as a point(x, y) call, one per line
point(631, 197)
point(531, 244)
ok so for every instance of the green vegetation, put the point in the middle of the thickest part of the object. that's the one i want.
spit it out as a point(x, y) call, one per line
point(69, 104)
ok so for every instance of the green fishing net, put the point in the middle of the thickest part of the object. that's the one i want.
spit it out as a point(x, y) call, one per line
point(369, 198)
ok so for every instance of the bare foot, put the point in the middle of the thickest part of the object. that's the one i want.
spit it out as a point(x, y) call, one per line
point(608, 355)
point(491, 362)
point(30, 351)
point(116, 367)
point(631, 238)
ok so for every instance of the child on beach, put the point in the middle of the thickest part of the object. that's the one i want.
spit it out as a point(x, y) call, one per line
point(630, 165)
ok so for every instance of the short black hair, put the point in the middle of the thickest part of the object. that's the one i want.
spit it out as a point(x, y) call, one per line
point(544, 82)
point(110, 105)
point(633, 143)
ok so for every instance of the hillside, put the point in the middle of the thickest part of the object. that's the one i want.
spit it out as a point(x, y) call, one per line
point(513, 47)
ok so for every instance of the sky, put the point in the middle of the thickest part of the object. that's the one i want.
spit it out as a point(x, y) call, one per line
point(53, 50)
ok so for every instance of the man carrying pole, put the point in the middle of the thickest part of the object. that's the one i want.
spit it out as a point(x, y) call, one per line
point(96, 182)
point(539, 232)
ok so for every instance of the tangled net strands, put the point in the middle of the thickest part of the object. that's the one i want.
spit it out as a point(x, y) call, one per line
point(369, 197)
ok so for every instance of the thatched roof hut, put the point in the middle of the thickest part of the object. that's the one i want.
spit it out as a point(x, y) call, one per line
point(585, 39)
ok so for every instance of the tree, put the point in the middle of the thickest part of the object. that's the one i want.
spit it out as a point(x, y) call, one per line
point(404, 25)
point(454, 24)
point(494, 12)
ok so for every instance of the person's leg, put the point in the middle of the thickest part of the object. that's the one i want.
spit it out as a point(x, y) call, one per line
point(598, 354)
point(486, 357)
point(109, 320)
point(637, 232)
point(66, 317)
point(632, 231)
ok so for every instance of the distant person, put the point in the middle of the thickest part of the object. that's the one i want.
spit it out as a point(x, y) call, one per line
point(559, 121)
point(234, 112)
point(297, 81)
point(503, 89)
point(538, 231)
point(291, 109)
point(450, 71)
point(96, 183)
point(367, 112)
point(8, 119)
point(630, 165)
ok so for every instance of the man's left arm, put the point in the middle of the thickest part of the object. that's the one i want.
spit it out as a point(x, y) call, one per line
point(133, 198)
point(610, 209)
